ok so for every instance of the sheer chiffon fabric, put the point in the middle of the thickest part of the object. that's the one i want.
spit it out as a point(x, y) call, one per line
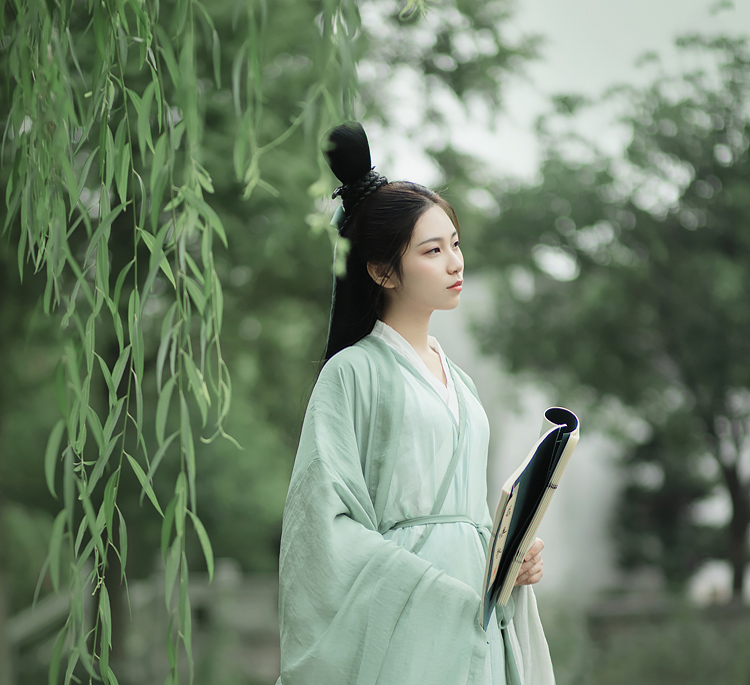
point(457, 548)
point(356, 605)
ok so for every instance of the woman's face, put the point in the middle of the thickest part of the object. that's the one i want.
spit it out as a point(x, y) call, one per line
point(431, 268)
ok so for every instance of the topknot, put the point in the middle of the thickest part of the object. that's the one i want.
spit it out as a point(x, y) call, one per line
point(348, 155)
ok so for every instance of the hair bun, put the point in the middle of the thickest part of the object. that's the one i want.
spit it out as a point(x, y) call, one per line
point(348, 155)
point(348, 152)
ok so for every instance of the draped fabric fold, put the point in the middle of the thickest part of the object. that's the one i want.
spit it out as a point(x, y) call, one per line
point(356, 606)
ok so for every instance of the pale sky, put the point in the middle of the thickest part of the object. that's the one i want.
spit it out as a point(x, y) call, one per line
point(589, 46)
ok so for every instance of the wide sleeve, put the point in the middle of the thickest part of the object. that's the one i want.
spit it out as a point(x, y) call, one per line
point(354, 607)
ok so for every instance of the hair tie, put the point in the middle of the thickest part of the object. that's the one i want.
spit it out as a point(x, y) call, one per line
point(353, 193)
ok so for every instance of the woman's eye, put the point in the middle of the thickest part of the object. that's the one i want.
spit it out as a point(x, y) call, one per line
point(434, 250)
point(456, 244)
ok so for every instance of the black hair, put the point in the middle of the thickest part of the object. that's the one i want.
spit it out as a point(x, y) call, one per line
point(379, 221)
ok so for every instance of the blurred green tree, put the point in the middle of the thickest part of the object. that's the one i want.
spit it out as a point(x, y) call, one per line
point(105, 186)
point(628, 277)
point(122, 119)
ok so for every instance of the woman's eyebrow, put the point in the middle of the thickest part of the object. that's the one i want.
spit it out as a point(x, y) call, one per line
point(436, 240)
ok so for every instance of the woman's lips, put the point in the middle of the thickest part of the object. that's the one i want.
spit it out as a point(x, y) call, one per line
point(458, 286)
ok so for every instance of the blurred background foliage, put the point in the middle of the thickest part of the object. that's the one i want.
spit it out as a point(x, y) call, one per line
point(627, 276)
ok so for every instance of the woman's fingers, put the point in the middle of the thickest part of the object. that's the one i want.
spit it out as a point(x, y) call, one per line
point(532, 568)
point(531, 573)
point(535, 549)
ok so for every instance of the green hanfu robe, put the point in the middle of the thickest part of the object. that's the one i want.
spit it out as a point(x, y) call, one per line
point(371, 592)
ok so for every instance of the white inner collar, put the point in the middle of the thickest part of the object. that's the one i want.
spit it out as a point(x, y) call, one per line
point(397, 342)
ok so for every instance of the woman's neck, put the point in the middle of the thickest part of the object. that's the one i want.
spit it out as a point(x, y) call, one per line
point(414, 329)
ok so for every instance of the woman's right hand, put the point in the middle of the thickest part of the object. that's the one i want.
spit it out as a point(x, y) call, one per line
point(531, 570)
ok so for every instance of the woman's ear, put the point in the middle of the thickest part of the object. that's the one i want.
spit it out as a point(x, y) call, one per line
point(379, 274)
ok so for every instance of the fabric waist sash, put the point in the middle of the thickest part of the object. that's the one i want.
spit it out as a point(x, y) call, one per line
point(435, 518)
point(432, 519)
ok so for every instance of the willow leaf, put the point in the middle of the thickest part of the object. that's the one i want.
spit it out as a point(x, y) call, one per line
point(196, 294)
point(120, 365)
point(143, 198)
point(186, 438)
point(92, 418)
point(208, 213)
point(138, 390)
point(103, 460)
point(205, 544)
point(105, 645)
point(216, 50)
point(91, 519)
point(172, 678)
point(114, 304)
point(109, 676)
point(56, 658)
point(198, 386)
point(186, 626)
point(71, 184)
point(172, 569)
point(158, 259)
point(218, 303)
point(109, 158)
point(101, 235)
point(188, 86)
point(105, 613)
point(71, 366)
point(135, 100)
point(111, 389)
point(123, 544)
point(123, 169)
point(68, 486)
point(168, 334)
point(144, 121)
point(159, 455)
point(159, 180)
point(72, 663)
point(180, 511)
point(136, 333)
point(166, 526)
point(162, 409)
point(55, 544)
point(105, 624)
point(108, 503)
point(164, 43)
point(102, 277)
point(145, 484)
point(51, 455)
point(194, 268)
point(89, 346)
point(121, 280)
point(111, 423)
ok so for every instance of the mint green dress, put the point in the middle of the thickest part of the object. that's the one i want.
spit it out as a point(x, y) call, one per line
point(382, 555)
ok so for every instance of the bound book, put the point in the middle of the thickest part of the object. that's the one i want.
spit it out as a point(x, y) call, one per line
point(523, 502)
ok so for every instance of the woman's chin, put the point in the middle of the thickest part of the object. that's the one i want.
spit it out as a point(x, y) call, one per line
point(453, 304)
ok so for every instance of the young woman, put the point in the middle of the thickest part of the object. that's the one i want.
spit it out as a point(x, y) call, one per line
point(386, 521)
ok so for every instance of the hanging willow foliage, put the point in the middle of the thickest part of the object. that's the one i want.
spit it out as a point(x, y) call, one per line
point(104, 130)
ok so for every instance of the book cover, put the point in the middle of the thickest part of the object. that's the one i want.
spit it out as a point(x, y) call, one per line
point(523, 501)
